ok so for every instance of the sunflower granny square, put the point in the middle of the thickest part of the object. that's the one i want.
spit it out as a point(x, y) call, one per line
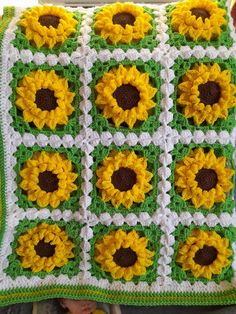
point(117, 131)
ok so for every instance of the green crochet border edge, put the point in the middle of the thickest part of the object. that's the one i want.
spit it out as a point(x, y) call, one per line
point(182, 232)
point(149, 41)
point(177, 40)
point(74, 154)
point(180, 122)
point(69, 45)
point(71, 73)
point(101, 124)
point(177, 203)
point(8, 14)
point(149, 205)
point(152, 233)
point(14, 268)
point(90, 292)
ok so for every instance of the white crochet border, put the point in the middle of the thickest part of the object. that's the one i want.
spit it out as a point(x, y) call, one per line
point(87, 140)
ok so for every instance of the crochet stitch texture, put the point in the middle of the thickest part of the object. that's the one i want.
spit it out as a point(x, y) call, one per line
point(117, 132)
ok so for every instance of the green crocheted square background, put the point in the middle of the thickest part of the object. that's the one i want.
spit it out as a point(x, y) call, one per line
point(152, 233)
point(181, 233)
point(149, 205)
point(180, 122)
point(74, 154)
point(177, 203)
point(149, 41)
point(72, 228)
point(101, 124)
point(71, 73)
point(178, 40)
point(69, 45)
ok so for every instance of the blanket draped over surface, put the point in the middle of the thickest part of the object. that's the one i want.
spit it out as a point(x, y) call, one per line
point(117, 131)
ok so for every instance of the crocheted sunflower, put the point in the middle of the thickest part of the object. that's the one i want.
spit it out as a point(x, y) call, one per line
point(204, 254)
point(48, 25)
point(198, 19)
point(122, 23)
point(206, 93)
point(203, 178)
point(44, 248)
point(48, 179)
point(123, 178)
point(45, 99)
point(124, 94)
point(123, 255)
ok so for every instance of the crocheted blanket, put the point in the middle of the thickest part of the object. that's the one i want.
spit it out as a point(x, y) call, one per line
point(116, 148)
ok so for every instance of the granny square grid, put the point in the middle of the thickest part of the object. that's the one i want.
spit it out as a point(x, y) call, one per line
point(117, 149)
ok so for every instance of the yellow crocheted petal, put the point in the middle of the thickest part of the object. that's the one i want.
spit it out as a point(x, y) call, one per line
point(187, 185)
point(117, 33)
point(108, 104)
point(42, 35)
point(189, 94)
point(107, 247)
point(27, 250)
point(197, 240)
point(136, 164)
point(54, 163)
point(195, 28)
point(26, 97)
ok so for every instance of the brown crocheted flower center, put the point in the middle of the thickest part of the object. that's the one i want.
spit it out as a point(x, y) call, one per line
point(127, 96)
point(207, 179)
point(123, 19)
point(45, 99)
point(210, 93)
point(125, 257)
point(123, 179)
point(44, 249)
point(49, 20)
point(206, 255)
point(198, 12)
point(48, 181)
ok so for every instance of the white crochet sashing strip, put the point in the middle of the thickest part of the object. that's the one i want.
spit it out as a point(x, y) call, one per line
point(9, 150)
point(87, 137)
point(199, 52)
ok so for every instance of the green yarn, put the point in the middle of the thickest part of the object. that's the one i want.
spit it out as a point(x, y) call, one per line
point(74, 154)
point(180, 122)
point(152, 233)
point(100, 123)
point(82, 292)
point(178, 40)
point(72, 228)
point(71, 73)
point(177, 203)
point(7, 16)
point(69, 45)
point(149, 41)
point(149, 205)
point(181, 234)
